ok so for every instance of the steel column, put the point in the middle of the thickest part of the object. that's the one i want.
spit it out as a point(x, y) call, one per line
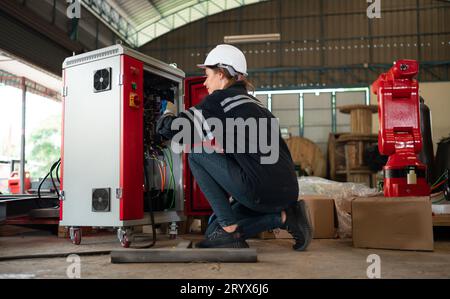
point(22, 141)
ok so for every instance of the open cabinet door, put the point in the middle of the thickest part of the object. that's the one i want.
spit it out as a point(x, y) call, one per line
point(196, 203)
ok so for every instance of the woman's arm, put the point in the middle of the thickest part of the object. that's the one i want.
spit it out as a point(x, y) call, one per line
point(163, 126)
point(194, 120)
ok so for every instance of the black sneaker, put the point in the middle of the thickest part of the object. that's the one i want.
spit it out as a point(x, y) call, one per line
point(219, 238)
point(299, 225)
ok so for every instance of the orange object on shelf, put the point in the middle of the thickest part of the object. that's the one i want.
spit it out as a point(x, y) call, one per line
point(14, 182)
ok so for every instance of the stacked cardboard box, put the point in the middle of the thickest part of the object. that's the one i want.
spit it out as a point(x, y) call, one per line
point(392, 223)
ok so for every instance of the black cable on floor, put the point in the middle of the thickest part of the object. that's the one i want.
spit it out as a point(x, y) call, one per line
point(150, 204)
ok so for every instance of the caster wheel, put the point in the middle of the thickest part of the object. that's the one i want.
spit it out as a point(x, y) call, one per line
point(125, 242)
point(75, 236)
point(123, 237)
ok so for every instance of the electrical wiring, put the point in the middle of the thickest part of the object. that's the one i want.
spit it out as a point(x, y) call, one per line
point(445, 173)
point(437, 197)
point(152, 216)
point(51, 176)
point(168, 156)
point(170, 170)
point(436, 194)
point(57, 163)
point(170, 162)
point(39, 187)
point(162, 178)
point(160, 168)
point(438, 201)
point(164, 172)
point(164, 163)
point(439, 182)
point(173, 179)
point(46, 176)
point(57, 172)
point(438, 185)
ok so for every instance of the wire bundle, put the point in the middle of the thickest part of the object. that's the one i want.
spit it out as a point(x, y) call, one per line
point(54, 166)
point(168, 156)
point(162, 164)
point(439, 182)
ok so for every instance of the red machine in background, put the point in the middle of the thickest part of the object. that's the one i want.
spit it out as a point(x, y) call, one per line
point(14, 182)
point(196, 203)
point(399, 136)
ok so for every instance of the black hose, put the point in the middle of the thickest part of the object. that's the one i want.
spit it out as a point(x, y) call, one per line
point(39, 190)
point(51, 175)
point(43, 180)
point(57, 172)
point(152, 216)
point(150, 205)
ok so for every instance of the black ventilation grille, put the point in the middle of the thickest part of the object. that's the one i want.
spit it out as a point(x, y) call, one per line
point(101, 200)
point(102, 80)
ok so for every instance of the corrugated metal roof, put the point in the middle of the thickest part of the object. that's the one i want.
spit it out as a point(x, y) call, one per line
point(141, 21)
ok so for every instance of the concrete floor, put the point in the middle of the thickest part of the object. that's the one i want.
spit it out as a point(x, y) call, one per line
point(276, 259)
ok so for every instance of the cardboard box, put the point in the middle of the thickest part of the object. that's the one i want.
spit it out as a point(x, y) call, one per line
point(403, 223)
point(322, 215)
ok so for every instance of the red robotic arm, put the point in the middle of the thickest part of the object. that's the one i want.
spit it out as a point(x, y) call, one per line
point(399, 135)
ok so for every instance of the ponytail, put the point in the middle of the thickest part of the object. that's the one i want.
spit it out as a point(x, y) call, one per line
point(238, 78)
point(248, 85)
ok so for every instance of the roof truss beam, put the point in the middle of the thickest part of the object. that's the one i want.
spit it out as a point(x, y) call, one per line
point(113, 19)
point(151, 29)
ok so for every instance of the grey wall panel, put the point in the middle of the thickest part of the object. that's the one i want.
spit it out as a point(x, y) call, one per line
point(285, 101)
point(317, 117)
point(317, 101)
point(287, 117)
point(286, 108)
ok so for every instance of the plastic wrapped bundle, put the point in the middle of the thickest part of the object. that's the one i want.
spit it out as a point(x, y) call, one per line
point(342, 193)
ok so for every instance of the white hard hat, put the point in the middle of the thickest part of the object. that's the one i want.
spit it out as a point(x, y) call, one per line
point(227, 56)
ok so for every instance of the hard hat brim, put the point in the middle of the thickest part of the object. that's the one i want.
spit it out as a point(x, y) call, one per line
point(203, 66)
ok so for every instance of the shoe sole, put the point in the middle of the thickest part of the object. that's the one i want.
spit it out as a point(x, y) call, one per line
point(233, 245)
point(240, 244)
point(303, 213)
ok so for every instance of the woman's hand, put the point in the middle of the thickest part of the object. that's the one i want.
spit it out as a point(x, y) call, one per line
point(170, 108)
